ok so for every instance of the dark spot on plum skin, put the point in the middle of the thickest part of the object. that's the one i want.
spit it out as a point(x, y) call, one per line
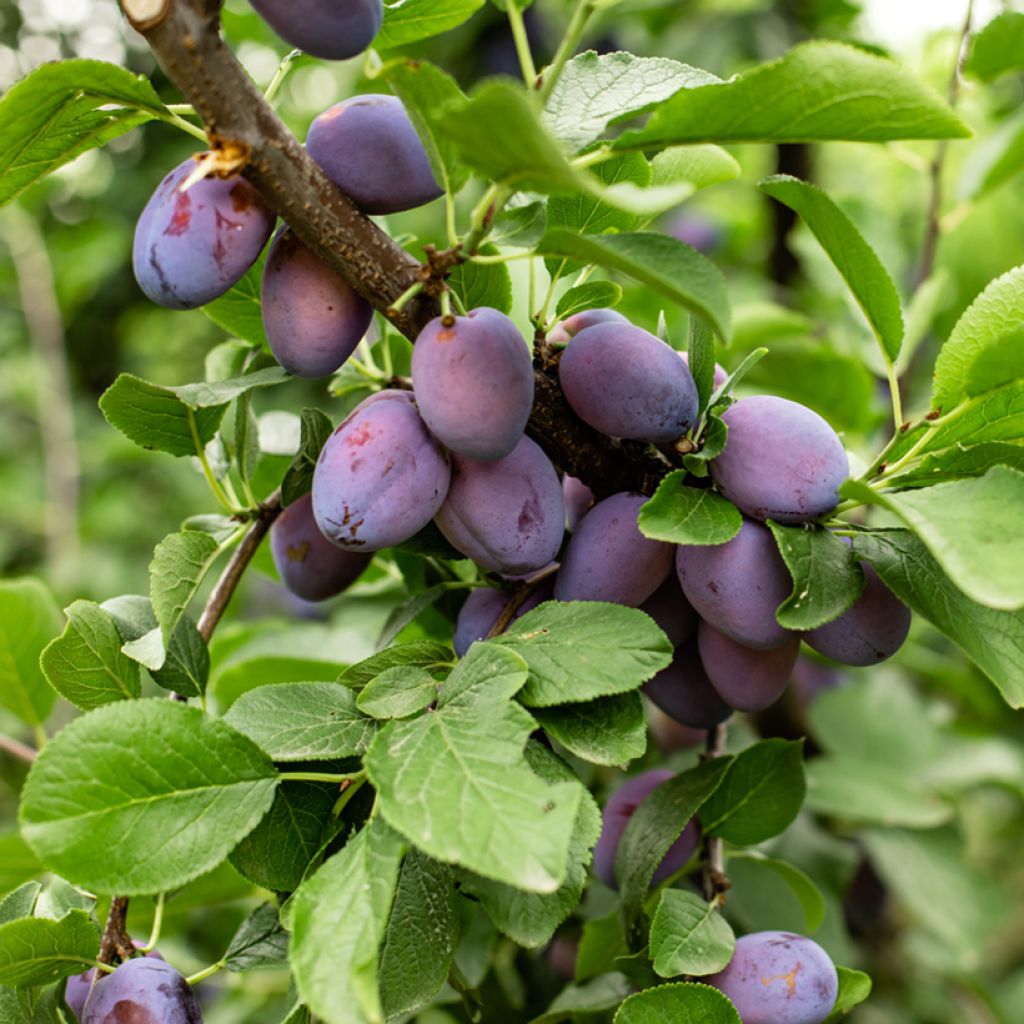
point(127, 1011)
point(181, 218)
point(712, 586)
point(241, 197)
point(362, 434)
point(298, 552)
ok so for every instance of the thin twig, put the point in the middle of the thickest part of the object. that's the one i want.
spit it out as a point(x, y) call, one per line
point(523, 593)
point(116, 944)
point(22, 751)
point(715, 882)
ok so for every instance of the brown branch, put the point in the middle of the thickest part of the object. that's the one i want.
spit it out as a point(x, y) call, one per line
point(519, 598)
point(184, 35)
point(116, 944)
point(715, 882)
point(22, 751)
point(225, 587)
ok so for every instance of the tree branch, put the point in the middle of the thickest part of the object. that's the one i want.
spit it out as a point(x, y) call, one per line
point(185, 38)
point(116, 944)
point(715, 882)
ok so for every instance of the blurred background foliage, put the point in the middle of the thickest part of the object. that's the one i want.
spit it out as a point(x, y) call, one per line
point(935, 914)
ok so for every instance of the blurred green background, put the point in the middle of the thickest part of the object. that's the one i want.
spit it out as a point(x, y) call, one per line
point(937, 916)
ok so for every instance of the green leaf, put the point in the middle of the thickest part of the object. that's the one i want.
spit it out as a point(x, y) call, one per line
point(302, 721)
point(807, 893)
point(592, 295)
point(984, 349)
point(183, 667)
point(408, 21)
point(855, 790)
point(339, 921)
point(576, 1001)
point(700, 352)
point(411, 609)
point(397, 693)
point(530, 918)
point(689, 936)
point(971, 527)
point(608, 730)
point(483, 284)
point(426, 93)
point(277, 853)
point(59, 897)
point(818, 91)
point(854, 988)
point(596, 90)
point(315, 429)
point(422, 933)
point(239, 310)
point(20, 902)
point(655, 825)
point(180, 564)
point(997, 48)
point(142, 796)
point(993, 639)
point(260, 941)
point(688, 515)
point(664, 264)
point(54, 114)
point(520, 225)
point(679, 1004)
point(29, 619)
point(851, 255)
point(584, 649)
point(17, 861)
point(700, 165)
point(760, 796)
point(455, 782)
point(827, 579)
point(427, 654)
point(601, 944)
point(85, 664)
point(995, 160)
point(178, 420)
point(38, 951)
point(958, 462)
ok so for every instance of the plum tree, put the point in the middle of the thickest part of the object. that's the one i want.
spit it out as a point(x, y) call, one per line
point(609, 559)
point(381, 476)
point(782, 461)
point(627, 383)
point(142, 991)
point(191, 246)
point(738, 585)
point(506, 514)
point(615, 817)
point(368, 147)
point(313, 319)
point(746, 679)
point(571, 326)
point(309, 565)
point(480, 611)
point(332, 29)
point(872, 630)
point(671, 611)
point(684, 692)
point(779, 978)
point(579, 499)
point(474, 382)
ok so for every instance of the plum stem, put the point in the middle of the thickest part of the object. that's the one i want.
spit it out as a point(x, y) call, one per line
point(22, 751)
point(515, 20)
point(567, 47)
point(194, 979)
point(158, 920)
point(714, 881)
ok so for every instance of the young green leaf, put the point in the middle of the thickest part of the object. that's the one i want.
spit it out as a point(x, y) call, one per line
point(38, 951)
point(997, 48)
point(315, 429)
point(397, 692)
point(851, 255)
point(689, 936)
point(592, 295)
point(260, 941)
point(958, 463)
point(85, 664)
point(993, 639)
point(63, 109)
point(971, 527)
point(150, 810)
point(584, 649)
point(601, 945)
point(688, 515)
point(530, 918)
point(827, 579)
point(664, 264)
point(483, 284)
point(338, 923)
point(854, 988)
point(413, 20)
point(427, 654)
point(455, 782)
point(599, 996)
point(760, 796)
point(807, 894)
point(994, 161)
point(655, 825)
point(700, 352)
point(679, 1003)
point(29, 620)
point(180, 564)
point(608, 730)
point(596, 90)
point(984, 350)
point(820, 90)
point(700, 165)
point(303, 721)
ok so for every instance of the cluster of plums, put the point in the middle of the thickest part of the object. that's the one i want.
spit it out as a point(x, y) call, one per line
point(773, 977)
point(145, 990)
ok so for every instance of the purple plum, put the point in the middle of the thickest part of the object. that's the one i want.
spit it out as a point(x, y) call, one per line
point(142, 991)
point(746, 679)
point(579, 499)
point(331, 29)
point(684, 692)
point(571, 326)
point(671, 611)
